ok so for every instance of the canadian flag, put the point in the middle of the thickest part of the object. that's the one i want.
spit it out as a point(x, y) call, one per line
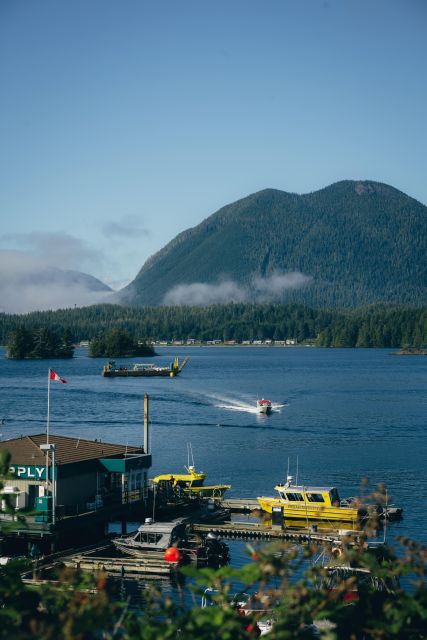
point(54, 376)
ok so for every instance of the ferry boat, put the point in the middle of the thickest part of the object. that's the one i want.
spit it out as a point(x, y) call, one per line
point(264, 406)
point(143, 369)
point(192, 483)
point(313, 503)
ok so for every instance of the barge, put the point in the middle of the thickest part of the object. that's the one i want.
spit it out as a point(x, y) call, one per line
point(143, 369)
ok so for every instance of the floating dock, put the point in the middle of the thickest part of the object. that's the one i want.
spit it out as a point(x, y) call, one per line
point(243, 505)
point(152, 563)
point(253, 530)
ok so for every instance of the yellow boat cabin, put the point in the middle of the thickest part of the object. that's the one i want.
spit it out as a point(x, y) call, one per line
point(312, 503)
point(192, 482)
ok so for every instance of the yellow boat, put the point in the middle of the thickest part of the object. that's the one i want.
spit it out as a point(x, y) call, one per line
point(312, 503)
point(192, 483)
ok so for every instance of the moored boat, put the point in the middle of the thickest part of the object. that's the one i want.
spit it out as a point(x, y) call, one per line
point(264, 406)
point(192, 483)
point(156, 539)
point(313, 503)
point(143, 369)
point(153, 536)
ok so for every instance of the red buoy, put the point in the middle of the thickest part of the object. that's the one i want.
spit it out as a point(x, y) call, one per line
point(172, 554)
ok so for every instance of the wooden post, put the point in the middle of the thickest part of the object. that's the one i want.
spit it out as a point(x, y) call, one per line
point(146, 432)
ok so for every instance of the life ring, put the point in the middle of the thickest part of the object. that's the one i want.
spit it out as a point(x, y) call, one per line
point(337, 552)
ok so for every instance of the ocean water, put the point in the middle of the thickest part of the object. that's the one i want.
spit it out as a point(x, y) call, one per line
point(340, 415)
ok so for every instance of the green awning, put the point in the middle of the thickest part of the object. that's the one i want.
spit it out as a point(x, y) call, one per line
point(126, 463)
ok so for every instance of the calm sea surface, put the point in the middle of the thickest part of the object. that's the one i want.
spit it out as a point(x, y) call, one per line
point(345, 414)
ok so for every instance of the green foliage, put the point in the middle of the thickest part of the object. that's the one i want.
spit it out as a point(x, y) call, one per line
point(39, 343)
point(372, 326)
point(361, 242)
point(118, 343)
point(286, 587)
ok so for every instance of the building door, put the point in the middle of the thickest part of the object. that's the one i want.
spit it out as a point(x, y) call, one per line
point(33, 493)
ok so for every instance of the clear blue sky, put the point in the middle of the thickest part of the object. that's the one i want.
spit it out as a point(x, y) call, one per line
point(125, 122)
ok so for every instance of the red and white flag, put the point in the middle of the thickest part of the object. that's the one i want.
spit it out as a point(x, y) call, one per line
point(54, 376)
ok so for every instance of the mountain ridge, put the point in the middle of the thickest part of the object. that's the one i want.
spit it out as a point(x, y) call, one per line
point(359, 242)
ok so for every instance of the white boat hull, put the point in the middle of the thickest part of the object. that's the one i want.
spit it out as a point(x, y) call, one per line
point(263, 407)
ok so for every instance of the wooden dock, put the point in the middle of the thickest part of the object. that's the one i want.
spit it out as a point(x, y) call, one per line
point(153, 563)
point(254, 530)
point(240, 504)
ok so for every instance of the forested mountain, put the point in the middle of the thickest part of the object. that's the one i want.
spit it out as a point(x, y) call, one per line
point(350, 244)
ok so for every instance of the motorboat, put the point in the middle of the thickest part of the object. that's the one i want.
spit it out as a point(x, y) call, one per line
point(264, 406)
point(314, 503)
point(191, 483)
point(153, 539)
point(153, 536)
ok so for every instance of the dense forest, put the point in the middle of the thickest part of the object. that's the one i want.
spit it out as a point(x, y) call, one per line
point(118, 343)
point(372, 326)
point(39, 343)
point(357, 242)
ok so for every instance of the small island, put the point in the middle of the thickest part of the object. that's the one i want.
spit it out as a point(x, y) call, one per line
point(39, 344)
point(118, 343)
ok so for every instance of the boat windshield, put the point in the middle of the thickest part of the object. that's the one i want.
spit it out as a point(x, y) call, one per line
point(148, 537)
point(294, 497)
point(315, 497)
point(333, 493)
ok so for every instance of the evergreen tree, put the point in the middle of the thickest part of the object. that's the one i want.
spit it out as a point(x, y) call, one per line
point(21, 343)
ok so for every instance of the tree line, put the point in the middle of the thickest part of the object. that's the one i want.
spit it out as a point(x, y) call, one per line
point(39, 344)
point(371, 326)
point(46, 343)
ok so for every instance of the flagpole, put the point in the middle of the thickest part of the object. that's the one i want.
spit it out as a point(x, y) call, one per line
point(47, 431)
point(48, 406)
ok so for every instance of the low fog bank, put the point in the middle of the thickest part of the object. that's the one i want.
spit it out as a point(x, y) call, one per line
point(260, 289)
point(30, 284)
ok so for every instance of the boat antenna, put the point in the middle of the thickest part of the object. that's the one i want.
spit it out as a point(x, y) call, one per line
point(296, 478)
point(287, 474)
point(154, 500)
point(192, 458)
point(306, 514)
point(386, 515)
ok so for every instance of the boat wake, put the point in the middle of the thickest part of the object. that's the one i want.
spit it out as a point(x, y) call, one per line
point(246, 407)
